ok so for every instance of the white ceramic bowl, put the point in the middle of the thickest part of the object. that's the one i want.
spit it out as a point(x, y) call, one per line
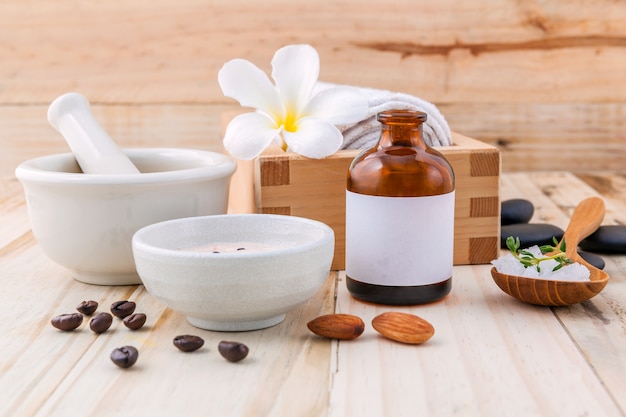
point(234, 290)
point(85, 222)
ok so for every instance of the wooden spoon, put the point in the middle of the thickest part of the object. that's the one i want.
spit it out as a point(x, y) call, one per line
point(586, 218)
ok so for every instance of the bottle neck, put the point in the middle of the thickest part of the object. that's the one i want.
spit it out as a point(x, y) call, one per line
point(401, 134)
point(401, 128)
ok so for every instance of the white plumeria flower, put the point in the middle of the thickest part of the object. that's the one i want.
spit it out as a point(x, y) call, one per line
point(288, 112)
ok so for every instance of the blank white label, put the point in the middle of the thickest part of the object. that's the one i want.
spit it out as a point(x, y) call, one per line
point(399, 241)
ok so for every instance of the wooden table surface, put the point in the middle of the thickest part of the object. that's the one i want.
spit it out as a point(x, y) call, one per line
point(491, 355)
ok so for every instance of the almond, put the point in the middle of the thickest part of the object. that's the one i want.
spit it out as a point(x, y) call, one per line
point(337, 326)
point(403, 327)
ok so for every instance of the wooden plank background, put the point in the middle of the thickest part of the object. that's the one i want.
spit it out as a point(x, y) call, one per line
point(543, 80)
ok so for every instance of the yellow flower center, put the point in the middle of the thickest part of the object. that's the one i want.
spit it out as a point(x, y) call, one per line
point(289, 123)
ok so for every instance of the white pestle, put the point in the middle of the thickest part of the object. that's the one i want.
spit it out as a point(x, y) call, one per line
point(93, 148)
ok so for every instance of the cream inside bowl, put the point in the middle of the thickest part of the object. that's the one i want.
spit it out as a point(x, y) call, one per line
point(85, 222)
point(234, 272)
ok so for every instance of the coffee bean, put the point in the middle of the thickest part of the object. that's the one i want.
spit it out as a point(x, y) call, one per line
point(232, 351)
point(123, 308)
point(67, 322)
point(124, 356)
point(135, 321)
point(101, 322)
point(87, 307)
point(188, 343)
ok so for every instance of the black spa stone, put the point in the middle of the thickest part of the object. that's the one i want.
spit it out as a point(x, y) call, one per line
point(592, 258)
point(610, 239)
point(516, 210)
point(530, 234)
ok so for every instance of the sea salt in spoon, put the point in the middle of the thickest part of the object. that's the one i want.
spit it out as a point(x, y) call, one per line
point(93, 148)
point(586, 218)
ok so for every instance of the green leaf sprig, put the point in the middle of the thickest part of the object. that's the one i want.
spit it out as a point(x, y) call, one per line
point(528, 259)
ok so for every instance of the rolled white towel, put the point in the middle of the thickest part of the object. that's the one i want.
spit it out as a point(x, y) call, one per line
point(365, 133)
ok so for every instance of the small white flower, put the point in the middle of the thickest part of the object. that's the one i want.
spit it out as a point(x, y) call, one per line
point(287, 112)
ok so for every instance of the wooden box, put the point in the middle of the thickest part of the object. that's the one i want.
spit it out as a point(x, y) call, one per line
point(285, 183)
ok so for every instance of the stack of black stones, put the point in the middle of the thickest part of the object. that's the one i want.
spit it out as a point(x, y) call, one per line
point(515, 221)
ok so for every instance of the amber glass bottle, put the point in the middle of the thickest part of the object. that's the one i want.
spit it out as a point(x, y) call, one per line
point(400, 217)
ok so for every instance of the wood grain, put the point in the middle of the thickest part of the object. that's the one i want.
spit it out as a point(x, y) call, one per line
point(129, 52)
point(485, 350)
point(555, 195)
point(580, 138)
point(46, 371)
point(491, 355)
point(543, 81)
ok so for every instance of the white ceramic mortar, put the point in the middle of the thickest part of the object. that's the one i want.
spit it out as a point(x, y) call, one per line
point(85, 222)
